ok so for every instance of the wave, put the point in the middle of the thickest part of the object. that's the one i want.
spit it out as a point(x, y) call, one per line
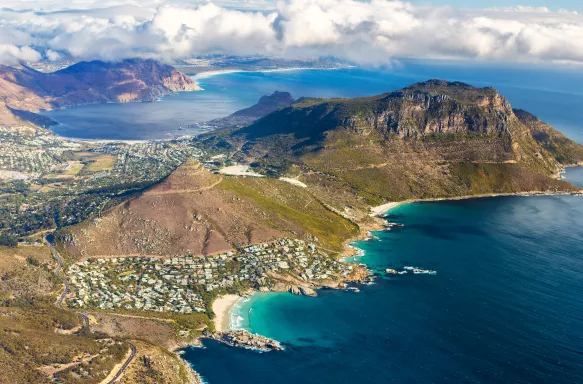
point(237, 315)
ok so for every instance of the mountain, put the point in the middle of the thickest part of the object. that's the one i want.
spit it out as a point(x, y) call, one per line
point(430, 140)
point(339, 158)
point(23, 88)
point(265, 106)
point(565, 150)
point(197, 212)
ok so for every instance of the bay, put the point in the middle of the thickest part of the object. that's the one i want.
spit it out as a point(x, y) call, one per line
point(552, 93)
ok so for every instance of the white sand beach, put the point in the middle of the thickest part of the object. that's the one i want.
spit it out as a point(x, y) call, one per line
point(384, 208)
point(221, 307)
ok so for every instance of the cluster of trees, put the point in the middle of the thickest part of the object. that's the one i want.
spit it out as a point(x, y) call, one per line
point(8, 240)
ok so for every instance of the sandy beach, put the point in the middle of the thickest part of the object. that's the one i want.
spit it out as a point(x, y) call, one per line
point(221, 307)
point(217, 72)
point(376, 211)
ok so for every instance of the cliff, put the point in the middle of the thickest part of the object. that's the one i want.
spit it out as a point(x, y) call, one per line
point(266, 105)
point(23, 88)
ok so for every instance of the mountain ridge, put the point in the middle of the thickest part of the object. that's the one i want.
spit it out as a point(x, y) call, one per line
point(92, 82)
point(266, 105)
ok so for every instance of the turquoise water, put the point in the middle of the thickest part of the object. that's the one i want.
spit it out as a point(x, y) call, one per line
point(505, 306)
point(554, 94)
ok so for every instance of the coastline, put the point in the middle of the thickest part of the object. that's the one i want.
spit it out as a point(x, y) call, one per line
point(381, 209)
point(218, 72)
point(222, 308)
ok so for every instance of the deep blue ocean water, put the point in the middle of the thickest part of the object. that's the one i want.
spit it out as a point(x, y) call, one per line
point(505, 306)
point(553, 94)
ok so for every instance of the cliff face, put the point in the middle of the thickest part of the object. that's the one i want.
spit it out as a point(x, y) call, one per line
point(265, 106)
point(565, 150)
point(89, 82)
point(437, 107)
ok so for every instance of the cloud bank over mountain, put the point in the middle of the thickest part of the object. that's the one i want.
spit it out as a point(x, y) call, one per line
point(369, 33)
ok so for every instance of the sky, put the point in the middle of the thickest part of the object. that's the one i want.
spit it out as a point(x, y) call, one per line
point(573, 5)
point(370, 33)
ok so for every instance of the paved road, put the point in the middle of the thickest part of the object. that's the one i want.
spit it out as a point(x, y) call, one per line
point(59, 303)
point(125, 365)
point(58, 271)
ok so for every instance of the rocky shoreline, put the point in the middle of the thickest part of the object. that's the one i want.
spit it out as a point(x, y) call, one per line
point(245, 339)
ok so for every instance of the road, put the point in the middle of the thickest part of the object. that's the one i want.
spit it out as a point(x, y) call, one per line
point(57, 272)
point(125, 364)
point(59, 303)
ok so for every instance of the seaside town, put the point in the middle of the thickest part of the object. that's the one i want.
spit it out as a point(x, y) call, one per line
point(185, 284)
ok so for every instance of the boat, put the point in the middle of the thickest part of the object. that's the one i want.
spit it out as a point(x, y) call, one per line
point(391, 271)
point(418, 271)
point(353, 289)
point(402, 272)
point(408, 268)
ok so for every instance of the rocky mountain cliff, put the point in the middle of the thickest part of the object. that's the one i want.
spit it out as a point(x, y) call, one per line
point(265, 106)
point(23, 88)
point(430, 140)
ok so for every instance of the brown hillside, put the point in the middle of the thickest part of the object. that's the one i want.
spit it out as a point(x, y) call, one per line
point(196, 212)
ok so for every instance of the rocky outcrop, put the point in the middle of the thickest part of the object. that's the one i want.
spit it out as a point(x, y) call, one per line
point(265, 106)
point(247, 340)
point(306, 291)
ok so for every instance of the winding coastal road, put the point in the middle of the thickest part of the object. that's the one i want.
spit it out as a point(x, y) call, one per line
point(125, 364)
point(59, 303)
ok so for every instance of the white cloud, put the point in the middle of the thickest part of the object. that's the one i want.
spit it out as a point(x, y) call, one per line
point(11, 54)
point(372, 32)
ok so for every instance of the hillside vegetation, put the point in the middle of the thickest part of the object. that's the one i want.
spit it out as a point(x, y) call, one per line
point(38, 342)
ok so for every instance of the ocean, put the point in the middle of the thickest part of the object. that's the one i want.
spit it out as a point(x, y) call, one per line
point(504, 307)
point(552, 94)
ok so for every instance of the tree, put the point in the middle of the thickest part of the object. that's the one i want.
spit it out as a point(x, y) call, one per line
point(8, 240)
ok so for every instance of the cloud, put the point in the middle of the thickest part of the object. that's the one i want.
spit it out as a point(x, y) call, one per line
point(371, 33)
point(11, 54)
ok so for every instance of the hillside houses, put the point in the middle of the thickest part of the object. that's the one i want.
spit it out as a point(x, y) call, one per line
point(179, 284)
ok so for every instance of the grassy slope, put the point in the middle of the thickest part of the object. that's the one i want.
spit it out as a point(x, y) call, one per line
point(291, 209)
point(565, 150)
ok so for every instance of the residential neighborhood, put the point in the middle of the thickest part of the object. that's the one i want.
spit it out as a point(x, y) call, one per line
point(182, 284)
